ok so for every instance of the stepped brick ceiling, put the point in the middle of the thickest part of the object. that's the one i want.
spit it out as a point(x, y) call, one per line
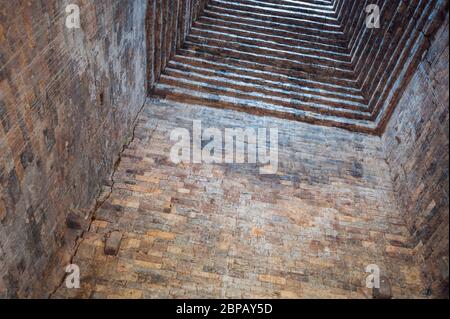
point(312, 61)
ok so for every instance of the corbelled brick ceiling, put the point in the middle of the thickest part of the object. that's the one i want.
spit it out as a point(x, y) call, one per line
point(313, 61)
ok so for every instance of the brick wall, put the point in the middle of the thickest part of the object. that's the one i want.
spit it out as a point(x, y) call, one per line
point(68, 98)
point(203, 231)
point(416, 145)
point(168, 23)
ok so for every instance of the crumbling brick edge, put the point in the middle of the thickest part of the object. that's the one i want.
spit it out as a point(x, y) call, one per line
point(103, 195)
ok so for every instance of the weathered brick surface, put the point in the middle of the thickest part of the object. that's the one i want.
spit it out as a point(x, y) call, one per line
point(416, 145)
point(68, 99)
point(194, 230)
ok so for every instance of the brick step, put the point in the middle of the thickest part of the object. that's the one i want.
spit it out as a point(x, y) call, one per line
point(270, 72)
point(269, 79)
point(327, 9)
point(265, 21)
point(255, 84)
point(241, 90)
point(312, 9)
point(265, 56)
point(271, 33)
point(194, 97)
point(301, 15)
point(303, 48)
